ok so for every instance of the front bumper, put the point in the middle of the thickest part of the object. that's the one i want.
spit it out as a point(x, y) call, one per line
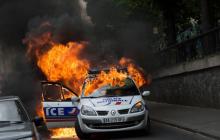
point(93, 124)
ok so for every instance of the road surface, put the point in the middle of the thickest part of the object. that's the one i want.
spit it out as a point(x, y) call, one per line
point(159, 132)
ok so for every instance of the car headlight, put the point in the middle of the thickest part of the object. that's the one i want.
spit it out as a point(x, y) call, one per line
point(138, 107)
point(86, 110)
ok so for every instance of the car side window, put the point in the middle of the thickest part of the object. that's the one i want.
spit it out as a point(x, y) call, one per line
point(53, 93)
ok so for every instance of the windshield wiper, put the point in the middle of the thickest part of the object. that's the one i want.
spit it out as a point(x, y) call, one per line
point(90, 97)
point(102, 96)
point(111, 96)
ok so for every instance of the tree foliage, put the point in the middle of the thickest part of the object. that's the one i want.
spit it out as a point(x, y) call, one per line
point(175, 14)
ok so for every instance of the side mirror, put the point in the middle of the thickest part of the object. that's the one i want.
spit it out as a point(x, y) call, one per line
point(146, 93)
point(38, 121)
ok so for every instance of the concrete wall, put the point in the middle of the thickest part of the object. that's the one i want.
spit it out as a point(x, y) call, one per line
point(196, 83)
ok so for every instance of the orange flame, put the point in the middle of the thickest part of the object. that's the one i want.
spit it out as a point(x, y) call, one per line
point(62, 62)
point(63, 133)
point(40, 111)
point(134, 71)
point(113, 77)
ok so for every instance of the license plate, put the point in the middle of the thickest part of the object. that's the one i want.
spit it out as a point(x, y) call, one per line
point(114, 120)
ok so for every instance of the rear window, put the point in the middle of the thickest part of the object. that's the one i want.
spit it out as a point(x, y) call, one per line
point(11, 110)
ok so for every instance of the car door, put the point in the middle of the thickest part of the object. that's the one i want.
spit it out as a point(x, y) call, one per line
point(59, 110)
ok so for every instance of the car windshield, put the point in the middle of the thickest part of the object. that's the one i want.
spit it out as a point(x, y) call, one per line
point(11, 111)
point(124, 87)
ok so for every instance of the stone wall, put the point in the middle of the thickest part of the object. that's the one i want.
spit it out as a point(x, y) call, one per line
point(189, 85)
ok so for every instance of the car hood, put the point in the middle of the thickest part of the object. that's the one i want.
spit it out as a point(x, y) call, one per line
point(110, 101)
point(15, 131)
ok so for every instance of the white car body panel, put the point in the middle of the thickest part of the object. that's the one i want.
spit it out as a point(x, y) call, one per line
point(111, 101)
point(59, 114)
point(109, 104)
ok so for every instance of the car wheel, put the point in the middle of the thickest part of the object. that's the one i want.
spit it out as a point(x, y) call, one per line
point(147, 129)
point(79, 132)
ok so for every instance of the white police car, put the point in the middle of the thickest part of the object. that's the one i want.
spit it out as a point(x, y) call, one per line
point(103, 109)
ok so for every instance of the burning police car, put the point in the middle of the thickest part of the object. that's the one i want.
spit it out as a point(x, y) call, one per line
point(115, 104)
point(108, 103)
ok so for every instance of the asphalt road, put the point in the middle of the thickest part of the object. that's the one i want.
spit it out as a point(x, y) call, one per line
point(159, 132)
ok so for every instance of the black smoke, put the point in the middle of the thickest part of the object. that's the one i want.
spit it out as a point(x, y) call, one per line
point(116, 34)
point(110, 33)
point(16, 14)
point(18, 75)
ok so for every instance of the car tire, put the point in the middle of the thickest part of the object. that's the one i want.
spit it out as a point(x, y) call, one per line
point(147, 128)
point(79, 132)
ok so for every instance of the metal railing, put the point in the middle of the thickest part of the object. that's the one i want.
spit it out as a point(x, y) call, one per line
point(195, 48)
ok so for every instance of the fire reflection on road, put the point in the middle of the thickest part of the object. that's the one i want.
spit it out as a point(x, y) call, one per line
point(58, 133)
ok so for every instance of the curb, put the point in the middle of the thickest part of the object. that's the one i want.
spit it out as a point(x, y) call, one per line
point(185, 128)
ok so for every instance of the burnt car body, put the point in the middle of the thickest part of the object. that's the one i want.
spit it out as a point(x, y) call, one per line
point(106, 109)
point(15, 124)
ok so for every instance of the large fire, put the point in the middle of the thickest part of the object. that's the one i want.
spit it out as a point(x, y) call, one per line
point(58, 133)
point(63, 63)
point(113, 78)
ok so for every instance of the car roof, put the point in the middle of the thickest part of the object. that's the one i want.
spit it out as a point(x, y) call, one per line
point(9, 98)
